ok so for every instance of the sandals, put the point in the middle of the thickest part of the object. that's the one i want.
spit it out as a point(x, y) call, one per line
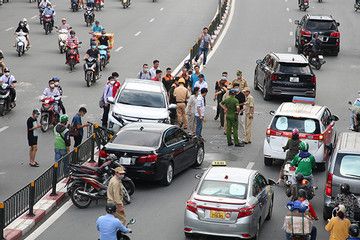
point(34, 165)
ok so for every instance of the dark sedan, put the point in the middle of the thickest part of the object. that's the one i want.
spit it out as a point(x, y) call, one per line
point(155, 151)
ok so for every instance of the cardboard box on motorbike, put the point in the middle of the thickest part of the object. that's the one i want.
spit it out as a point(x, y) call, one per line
point(110, 36)
point(297, 223)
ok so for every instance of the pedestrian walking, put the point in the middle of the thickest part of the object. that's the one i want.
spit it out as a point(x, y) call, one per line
point(181, 96)
point(241, 98)
point(77, 123)
point(168, 79)
point(232, 109)
point(191, 110)
point(339, 225)
point(200, 111)
point(32, 135)
point(157, 77)
point(249, 114)
point(116, 85)
point(155, 67)
point(144, 73)
point(108, 92)
point(184, 74)
point(195, 76)
point(172, 100)
point(201, 83)
point(205, 42)
point(240, 80)
point(61, 139)
point(115, 194)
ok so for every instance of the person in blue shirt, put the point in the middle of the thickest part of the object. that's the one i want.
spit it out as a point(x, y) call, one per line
point(96, 28)
point(108, 225)
point(195, 77)
point(76, 122)
point(49, 11)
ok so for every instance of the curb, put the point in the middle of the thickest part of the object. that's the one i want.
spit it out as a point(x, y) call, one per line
point(23, 224)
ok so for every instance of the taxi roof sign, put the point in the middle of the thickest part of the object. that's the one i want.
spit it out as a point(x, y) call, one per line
point(303, 100)
point(218, 163)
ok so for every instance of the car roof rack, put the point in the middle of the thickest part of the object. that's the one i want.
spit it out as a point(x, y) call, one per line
point(297, 99)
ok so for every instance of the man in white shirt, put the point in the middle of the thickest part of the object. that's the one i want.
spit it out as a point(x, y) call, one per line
point(200, 111)
point(201, 83)
point(52, 92)
point(154, 68)
point(144, 74)
point(11, 81)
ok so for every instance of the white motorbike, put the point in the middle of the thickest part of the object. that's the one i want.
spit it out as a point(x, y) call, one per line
point(288, 172)
point(21, 43)
point(126, 3)
point(63, 35)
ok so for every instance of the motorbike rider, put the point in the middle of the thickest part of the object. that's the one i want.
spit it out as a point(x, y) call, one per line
point(26, 24)
point(52, 92)
point(355, 110)
point(50, 11)
point(357, 2)
point(306, 163)
point(316, 45)
point(109, 225)
point(349, 200)
point(93, 52)
point(64, 25)
point(44, 4)
point(57, 85)
point(353, 232)
point(11, 81)
point(292, 146)
point(96, 28)
point(104, 40)
point(23, 28)
point(72, 39)
point(2, 64)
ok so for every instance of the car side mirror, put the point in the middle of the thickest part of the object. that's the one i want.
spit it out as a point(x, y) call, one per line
point(297, 22)
point(111, 100)
point(272, 112)
point(271, 182)
point(328, 146)
point(199, 175)
point(334, 118)
point(172, 106)
point(258, 61)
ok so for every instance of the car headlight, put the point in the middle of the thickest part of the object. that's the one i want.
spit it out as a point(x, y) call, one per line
point(166, 120)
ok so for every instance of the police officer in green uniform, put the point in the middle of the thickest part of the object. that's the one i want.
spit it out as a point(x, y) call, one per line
point(232, 109)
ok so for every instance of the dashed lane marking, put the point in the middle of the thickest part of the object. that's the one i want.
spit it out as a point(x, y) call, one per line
point(8, 29)
point(4, 128)
point(137, 34)
point(289, 49)
point(151, 20)
point(287, 9)
point(354, 66)
point(33, 17)
point(290, 21)
point(119, 48)
point(161, 9)
point(291, 33)
point(250, 165)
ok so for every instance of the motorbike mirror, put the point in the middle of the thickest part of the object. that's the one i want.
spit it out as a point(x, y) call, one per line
point(271, 182)
point(338, 23)
point(258, 61)
point(56, 27)
point(198, 175)
point(272, 112)
point(349, 102)
point(132, 221)
point(70, 27)
point(80, 42)
point(297, 22)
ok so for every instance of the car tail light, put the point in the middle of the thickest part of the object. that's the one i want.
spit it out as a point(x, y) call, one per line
point(191, 206)
point(187, 229)
point(335, 34)
point(316, 137)
point(304, 182)
point(246, 211)
point(148, 158)
point(313, 80)
point(103, 154)
point(246, 235)
point(273, 132)
point(274, 77)
point(328, 185)
point(305, 33)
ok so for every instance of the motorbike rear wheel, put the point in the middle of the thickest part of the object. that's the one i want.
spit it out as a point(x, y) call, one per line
point(2, 110)
point(102, 64)
point(71, 63)
point(78, 200)
point(44, 121)
point(126, 196)
point(87, 20)
point(19, 51)
point(129, 185)
point(88, 78)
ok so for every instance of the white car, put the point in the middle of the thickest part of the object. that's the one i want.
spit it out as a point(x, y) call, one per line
point(139, 101)
point(315, 123)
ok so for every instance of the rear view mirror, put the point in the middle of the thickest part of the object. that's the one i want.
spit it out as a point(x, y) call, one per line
point(132, 221)
point(334, 118)
point(297, 22)
point(272, 112)
point(258, 61)
point(349, 102)
point(271, 182)
point(198, 175)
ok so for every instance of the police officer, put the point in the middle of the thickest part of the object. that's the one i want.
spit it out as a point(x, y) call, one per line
point(240, 80)
point(115, 193)
point(232, 109)
point(181, 95)
point(249, 114)
point(226, 96)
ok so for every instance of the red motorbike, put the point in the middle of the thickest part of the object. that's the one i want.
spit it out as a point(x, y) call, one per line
point(48, 115)
point(47, 24)
point(72, 55)
point(98, 5)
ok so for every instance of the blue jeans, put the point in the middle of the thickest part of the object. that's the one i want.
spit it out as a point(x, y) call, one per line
point(59, 153)
point(199, 123)
point(352, 122)
point(201, 50)
point(312, 234)
point(56, 108)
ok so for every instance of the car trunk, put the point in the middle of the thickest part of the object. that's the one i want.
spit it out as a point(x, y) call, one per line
point(293, 75)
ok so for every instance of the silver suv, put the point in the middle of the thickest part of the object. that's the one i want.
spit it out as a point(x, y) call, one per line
point(344, 167)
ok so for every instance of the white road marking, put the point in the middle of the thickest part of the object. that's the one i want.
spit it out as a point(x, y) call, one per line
point(289, 49)
point(8, 29)
point(250, 165)
point(286, 0)
point(354, 66)
point(161, 9)
point(33, 17)
point(137, 34)
point(287, 9)
point(2, 173)
point(119, 48)
point(291, 33)
point(151, 20)
point(4, 128)
point(44, 226)
point(290, 21)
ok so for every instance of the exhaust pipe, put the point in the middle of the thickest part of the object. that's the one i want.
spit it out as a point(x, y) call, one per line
point(91, 195)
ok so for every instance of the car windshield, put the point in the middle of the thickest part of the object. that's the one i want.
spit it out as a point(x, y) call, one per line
point(349, 165)
point(138, 138)
point(294, 68)
point(223, 189)
point(304, 125)
point(317, 25)
point(142, 98)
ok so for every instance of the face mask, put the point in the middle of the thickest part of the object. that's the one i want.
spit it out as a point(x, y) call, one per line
point(37, 115)
point(81, 115)
point(72, 36)
point(48, 7)
point(112, 82)
point(117, 79)
point(57, 84)
point(238, 77)
point(121, 177)
point(236, 90)
point(52, 85)
point(7, 74)
point(93, 47)
point(146, 69)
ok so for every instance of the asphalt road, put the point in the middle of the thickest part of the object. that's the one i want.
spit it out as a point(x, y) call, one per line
point(162, 32)
point(257, 28)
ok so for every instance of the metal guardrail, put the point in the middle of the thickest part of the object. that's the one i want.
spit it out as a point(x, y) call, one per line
point(25, 199)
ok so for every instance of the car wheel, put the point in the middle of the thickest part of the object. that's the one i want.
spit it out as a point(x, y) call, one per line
point(326, 215)
point(256, 87)
point(268, 217)
point(268, 161)
point(189, 235)
point(266, 95)
point(199, 156)
point(320, 167)
point(168, 176)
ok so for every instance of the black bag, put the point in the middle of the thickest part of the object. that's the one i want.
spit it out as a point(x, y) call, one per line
point(102, 101)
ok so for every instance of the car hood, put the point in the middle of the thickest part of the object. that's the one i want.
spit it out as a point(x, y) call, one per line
point(141, 112)
point(219, 200)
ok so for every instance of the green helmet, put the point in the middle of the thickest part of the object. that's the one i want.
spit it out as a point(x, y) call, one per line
point(304, 146)
point(64, 118)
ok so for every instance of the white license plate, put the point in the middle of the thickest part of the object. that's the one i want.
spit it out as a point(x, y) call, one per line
point(125, 161)
point(294, 79)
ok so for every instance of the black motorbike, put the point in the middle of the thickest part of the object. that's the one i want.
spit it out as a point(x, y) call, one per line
point(74, 5)
point(357, 5)
point(315, 59)
point(126, 3)
point(5, 99)
point(301, 184)
point(48, 27)
point(91, 75)
point(304, 5)
point(89, 16)
point(121, 235)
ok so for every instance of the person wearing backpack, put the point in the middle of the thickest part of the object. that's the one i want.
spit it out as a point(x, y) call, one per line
point(108, 92)
point(144, 74)
point(205, 41)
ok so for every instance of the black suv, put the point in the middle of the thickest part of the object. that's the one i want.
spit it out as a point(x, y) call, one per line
point(327, 28)
point(284, 74)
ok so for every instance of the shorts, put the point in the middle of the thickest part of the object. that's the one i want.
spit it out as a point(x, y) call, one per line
point(32, 141)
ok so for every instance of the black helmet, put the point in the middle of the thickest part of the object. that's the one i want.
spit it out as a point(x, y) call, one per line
point(72, 32)
point(110, 207)
point(344, 188)
point(299, 177)
point(21, 23)
point(302, 193)
point(7, 70)
point(103, 31)
point(353, 230)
